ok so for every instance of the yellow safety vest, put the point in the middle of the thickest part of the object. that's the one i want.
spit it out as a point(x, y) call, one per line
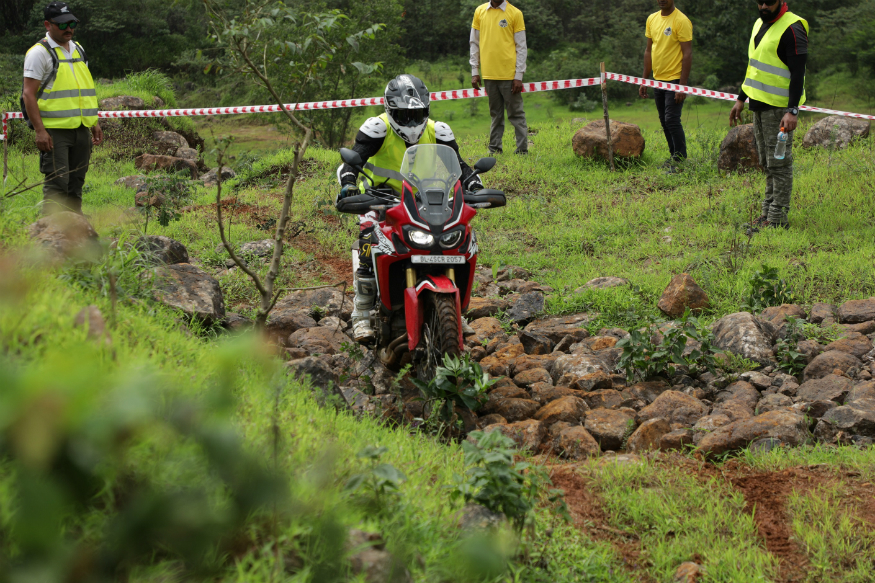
point(387, 162)
point(72, 100)
point(768, 78)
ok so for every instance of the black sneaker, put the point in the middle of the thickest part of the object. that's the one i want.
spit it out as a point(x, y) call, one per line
point(770, 225)
point(762, 221)
point(766, 225)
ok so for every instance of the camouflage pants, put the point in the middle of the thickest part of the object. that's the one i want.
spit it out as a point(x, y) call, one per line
point(779, 173)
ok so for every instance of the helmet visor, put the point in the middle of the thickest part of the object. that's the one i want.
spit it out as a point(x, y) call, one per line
point(410, 117)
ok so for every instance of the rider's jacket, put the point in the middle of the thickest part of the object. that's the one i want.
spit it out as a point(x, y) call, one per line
point(382, 151)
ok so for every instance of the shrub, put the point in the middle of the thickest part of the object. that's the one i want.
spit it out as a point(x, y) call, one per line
point(766, 289)
point(645, 359)
point(461, 381)
point(790, 359)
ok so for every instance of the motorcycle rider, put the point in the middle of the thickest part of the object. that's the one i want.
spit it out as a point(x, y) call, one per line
point(406, 101)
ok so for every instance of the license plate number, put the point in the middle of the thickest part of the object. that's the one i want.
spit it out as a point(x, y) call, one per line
point(438, 259)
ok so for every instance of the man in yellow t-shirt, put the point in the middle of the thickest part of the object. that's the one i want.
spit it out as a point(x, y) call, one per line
point(669, 56)
point(498, 56)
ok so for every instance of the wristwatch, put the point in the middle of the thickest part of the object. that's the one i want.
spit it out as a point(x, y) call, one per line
point(793, 110)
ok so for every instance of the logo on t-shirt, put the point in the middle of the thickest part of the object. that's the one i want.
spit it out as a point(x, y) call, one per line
point(502, 23)
point(667, 31)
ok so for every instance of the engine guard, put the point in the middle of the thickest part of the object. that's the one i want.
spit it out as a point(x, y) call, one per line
point(414, 312)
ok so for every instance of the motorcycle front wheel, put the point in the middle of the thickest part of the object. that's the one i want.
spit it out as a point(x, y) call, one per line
point(440, 334)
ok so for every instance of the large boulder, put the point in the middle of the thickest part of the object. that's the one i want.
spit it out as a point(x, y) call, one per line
point(569, 409)
point(169, 143)
point(484, 307)
point(150, 162)
point(187, 288)
point(648, 435)
point(836, 131)
point(682, 293)
point(603, 283)
point(829, 388)
point(121, 102)
point(738, 151)
point(832, 362)
point(609, 427)
point(856, 311)
point(675, 407)
point(743, 334)
point(328, 301)
point(321, 374)
point(136, 181)
point(163, 249)
point(65, 235)
point(852, 343)
point(211, 178)
point(570, 367)
point(525, 307)
point(319, 340)
point(527, 434)
point(559, 327)
point(575, 443)
point(591, 141)
point(789, 428)
point(854, 419)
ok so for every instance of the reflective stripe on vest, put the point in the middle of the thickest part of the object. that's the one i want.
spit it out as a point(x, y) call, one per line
point(386, 163)
point(72, 100)
point(768, 78)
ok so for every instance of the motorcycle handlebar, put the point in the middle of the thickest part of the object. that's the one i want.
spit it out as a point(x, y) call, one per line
point(362, 203)
point(494, 198)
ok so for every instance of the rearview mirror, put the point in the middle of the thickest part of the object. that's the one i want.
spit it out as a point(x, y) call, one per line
point(484, 165)
point(351, 157)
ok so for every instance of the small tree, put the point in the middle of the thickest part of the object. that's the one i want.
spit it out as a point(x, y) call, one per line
point(253, 48)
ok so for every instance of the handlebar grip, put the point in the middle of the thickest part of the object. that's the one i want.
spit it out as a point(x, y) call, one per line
point(495, 198)
point(357, 205)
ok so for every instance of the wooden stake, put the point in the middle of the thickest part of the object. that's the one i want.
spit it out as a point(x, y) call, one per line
point(5, 148)
point(607, 118)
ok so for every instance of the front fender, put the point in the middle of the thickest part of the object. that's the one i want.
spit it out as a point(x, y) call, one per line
point(414, 306)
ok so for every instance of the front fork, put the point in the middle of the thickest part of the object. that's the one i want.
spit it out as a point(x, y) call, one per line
point(411, 276)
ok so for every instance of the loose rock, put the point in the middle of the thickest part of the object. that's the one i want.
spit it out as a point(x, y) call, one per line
point(591, 141)
point(575, 443)
point(830, 362)
point(66, 235)
point(675, 407)
point(738, 151)
point(785, 426)
point(648, 435)
point(835, 131)
point(741, 333)
point(185, 287)
point(609, 427)
point(682, 293)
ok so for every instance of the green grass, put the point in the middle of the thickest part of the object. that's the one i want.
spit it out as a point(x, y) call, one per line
point(679, 518)
point(841, 547)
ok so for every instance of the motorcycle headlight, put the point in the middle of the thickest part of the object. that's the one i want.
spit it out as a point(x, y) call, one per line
point(421, 238)
point(451, 240)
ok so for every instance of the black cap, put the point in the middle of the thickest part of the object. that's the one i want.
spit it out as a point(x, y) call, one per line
point(58, 12)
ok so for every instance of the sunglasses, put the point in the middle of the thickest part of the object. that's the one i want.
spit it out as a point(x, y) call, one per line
point(766, 2)
point(64, 25)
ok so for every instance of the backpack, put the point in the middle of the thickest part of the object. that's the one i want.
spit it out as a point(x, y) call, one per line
point(51, 78)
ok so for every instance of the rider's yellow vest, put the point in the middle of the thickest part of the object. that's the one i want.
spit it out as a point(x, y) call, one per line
point(72, 100)
point(387, 162)
point(768, 78)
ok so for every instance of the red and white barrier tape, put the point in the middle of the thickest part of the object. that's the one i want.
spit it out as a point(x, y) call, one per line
point(435, 96)
point(718, 94)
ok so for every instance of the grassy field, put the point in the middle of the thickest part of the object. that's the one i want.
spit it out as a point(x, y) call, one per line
point(568, 220)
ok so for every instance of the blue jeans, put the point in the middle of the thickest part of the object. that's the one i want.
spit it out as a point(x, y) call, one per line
point(670, 118)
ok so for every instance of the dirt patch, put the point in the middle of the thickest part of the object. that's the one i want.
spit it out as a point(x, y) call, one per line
point(586, 510)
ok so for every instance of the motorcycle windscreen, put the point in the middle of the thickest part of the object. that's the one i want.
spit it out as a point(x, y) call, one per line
point(432, 171)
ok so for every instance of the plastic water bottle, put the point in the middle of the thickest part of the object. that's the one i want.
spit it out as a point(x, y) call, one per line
point(781, 147)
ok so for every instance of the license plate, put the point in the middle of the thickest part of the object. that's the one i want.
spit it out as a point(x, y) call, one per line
point(438, 259)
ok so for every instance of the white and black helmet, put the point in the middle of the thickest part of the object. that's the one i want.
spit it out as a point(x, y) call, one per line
point(406, 101)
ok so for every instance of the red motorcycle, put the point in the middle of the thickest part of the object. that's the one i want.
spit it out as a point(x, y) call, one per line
point(424, 255)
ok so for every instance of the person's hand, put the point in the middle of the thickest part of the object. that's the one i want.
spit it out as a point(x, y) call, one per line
point(475, 82)
point(96, 134)
point(679, 97)
point(788, 122)
point(517, 86)
point(44, 141)
point(642, 91)
point(346, 190)
point(735, 113)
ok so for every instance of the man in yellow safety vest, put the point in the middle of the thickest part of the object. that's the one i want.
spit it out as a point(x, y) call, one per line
point(381, 142)
point(775, 85)
point(61, 104)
